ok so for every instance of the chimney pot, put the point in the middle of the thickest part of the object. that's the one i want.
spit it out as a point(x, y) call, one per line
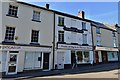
point(81, 14)
point(47, 6)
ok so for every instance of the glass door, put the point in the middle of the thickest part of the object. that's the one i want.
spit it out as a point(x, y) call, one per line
point(12, 63)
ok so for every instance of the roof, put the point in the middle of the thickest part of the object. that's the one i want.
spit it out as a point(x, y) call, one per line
point(57, 12)
point(104, 26)
point(97, 24)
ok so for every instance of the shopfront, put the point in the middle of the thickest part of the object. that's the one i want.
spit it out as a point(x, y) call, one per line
point(14, 59)
point(82, 54)
point(105, 54)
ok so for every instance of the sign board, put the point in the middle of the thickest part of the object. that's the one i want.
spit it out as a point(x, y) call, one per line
point(74, 47)
point(106, 49)
point(9, 47)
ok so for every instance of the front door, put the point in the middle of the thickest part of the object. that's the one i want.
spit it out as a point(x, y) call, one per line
point(60, 60)
point(96, 57)
point(12, 63)
point(104, 57)
point(72, 57)
point(46, 61)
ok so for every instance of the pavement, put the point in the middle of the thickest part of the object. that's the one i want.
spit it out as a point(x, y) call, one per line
point(78, 70)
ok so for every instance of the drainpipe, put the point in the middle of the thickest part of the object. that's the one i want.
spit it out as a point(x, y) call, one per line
point(93, 44)
point(53, 41)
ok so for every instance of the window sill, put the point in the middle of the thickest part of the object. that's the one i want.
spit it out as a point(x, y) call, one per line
point(61, 25)
point(8, 42)
point(12, 16)
point(85, 45)
point(84, 29)
point(35, 20)
point(61, 42)
point(34, 44)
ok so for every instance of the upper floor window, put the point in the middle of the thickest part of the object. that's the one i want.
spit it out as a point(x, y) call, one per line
point(84, 25)
point(113, 33)
point(10, 32)
point(114, 43)
point(98, 39)
point(34, 36)
point(61, 21)
point(13, 10)
point(60, 36)
point(36, 15)
point(98, 30)
point(84, 38)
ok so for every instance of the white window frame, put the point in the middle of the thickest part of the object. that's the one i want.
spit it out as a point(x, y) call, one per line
point(84, 38)
point(9, 36)
point(13, 10)
point(36, 15)
point(34, 36)
point(60, 36)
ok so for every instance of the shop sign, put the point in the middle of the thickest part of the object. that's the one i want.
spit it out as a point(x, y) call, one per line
point(75, 47)
point(106, 49)
point(8, 47)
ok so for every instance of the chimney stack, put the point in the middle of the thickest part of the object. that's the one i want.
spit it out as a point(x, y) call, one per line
point(81, 14)
point(47, 6)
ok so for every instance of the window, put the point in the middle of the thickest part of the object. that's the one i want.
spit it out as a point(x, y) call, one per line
point(79, 56)
point(113, 33)
point(83, 56)
point(10, 32)
point(98, 39)
point(60, 36)
point(98, 30)
point(114, 43)
point(84, 25)
point(113, 56)
point(84, 38)
point(13, 10)
point(61, 21)
point(34, 36)
point(36, 16)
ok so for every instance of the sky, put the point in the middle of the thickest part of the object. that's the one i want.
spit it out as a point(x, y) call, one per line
point(104, 12)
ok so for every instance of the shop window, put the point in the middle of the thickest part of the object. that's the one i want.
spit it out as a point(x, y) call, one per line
point(86, 56)
point(113, 56)
point(79, 56)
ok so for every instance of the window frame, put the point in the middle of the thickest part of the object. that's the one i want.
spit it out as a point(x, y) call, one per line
point(61, 36)
point(61, 21)
point(12, 11)
point(33, 35)
point(9, 36)
point(85, 39)
point(36, 16)
point(84, 27)
point(98, 30)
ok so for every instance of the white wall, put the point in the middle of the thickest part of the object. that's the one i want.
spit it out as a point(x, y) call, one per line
point(24, 24)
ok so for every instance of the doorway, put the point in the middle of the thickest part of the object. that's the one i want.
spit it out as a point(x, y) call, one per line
point(104, 57)
point(96, 57)
point(60, 60)
point(46, 61)
point(12, 63)
point(72, 57)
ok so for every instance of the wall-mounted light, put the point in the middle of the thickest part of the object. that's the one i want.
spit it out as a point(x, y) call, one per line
point(16, 37)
